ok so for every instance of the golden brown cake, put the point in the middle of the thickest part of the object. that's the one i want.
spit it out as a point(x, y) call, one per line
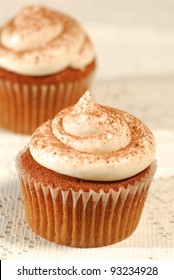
point(47, 61)
point(86, 174)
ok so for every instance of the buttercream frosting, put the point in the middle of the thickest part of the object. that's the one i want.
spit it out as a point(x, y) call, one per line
point(39, 41)
point(93, 142)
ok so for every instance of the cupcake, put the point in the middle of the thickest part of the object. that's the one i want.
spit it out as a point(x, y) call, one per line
point(46, 63)
point(85, 175)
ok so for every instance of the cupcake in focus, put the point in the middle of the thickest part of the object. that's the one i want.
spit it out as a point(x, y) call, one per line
point(47, 61)
point(85, 175)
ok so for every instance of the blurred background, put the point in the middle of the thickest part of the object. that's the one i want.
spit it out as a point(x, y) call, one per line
point(132, 38)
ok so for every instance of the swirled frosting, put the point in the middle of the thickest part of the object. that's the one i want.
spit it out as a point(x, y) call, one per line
point(39, 41)
point(93, 142)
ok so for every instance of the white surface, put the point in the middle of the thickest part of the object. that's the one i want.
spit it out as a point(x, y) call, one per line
point(134, 40)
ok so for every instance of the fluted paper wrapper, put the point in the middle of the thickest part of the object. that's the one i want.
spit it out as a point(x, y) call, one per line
point(83, 219)
point(23, 107)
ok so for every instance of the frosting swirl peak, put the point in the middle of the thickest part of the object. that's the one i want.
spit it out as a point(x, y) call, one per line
point(32, 28)
point(87, 127)
point(93, 142)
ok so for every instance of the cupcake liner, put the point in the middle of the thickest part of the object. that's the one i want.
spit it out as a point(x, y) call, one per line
point(83, 219)
point(23, 107)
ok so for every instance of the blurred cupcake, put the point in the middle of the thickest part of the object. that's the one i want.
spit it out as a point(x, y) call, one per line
point(46, 63)
point(86, 174)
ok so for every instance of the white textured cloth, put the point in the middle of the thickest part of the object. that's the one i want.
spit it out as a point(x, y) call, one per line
point(154, 236)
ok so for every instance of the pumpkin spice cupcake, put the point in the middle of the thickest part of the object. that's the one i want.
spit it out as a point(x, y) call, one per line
point(46, 63)
point(86, 174)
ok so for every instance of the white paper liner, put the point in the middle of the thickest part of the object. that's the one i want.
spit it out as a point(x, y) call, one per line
point(23, 107)
point(83, 219)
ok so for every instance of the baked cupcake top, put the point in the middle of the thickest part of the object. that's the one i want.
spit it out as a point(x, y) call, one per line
point(93, 142)
point(39, 41)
